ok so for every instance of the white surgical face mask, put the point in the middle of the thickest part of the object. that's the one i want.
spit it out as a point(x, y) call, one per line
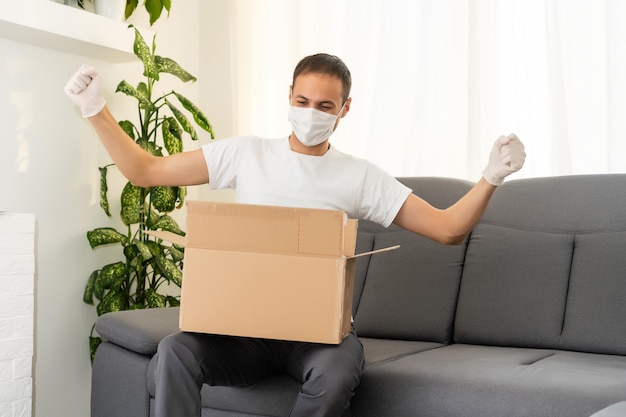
point(312, 126)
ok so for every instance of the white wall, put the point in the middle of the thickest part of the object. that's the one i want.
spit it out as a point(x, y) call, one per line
point(48, 166)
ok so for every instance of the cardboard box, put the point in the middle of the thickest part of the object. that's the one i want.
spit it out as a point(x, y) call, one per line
point(265, 271)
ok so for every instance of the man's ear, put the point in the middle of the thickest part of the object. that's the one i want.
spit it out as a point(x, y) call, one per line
point(346, 107)
point(290, 93)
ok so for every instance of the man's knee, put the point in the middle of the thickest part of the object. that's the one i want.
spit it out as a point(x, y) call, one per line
point(334, 373)
point(171, 343)
point(176, 350)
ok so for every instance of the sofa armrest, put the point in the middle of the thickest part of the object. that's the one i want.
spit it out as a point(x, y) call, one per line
point(138, 330)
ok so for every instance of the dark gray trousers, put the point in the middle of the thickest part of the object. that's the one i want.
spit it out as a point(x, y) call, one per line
point(184, 361)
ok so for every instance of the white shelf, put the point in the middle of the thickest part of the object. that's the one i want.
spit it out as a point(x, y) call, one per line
point(47, 24)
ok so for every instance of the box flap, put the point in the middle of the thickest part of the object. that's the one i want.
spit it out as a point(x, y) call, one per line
point(167, 236)
point(266, 229)
point(372, 252)
point(349, 242)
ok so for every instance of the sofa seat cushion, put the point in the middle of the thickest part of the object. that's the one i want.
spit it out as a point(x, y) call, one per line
point(274, 396)
point(484, 381)
point(384, 350)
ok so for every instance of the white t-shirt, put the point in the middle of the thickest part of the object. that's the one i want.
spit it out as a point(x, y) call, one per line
point(267, 171)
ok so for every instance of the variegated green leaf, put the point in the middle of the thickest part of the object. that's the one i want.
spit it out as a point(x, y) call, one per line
point(128, 127)
point(104, 187)
point(182, 193)
point(150, 147)
point(172, 301)
point(94, 342)
point(154, 299)
point(110, 274)
point(168, 224)
point(131, 204)
point(171, 67)
point(183, 120)
point(143, 250)
point(142, 51)
point(142, 87)
point(98, 290)
point(172, 136)
point(155, 248)
point(131, 253)
point(198, 116)
point(105, 236)
point(129, 90)
point(174, 127)
point(152, 218)
point(113, 301)
point(119, 284)
point(177, 255)
point(169, 270)
point(164, 198)
point(143, 90)
point(103, 282)
point(88, 293)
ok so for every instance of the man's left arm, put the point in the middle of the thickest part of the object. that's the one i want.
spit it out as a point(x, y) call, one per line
point(450, 226)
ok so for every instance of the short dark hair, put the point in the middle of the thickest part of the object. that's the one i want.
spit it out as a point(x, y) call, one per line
point(325, 64)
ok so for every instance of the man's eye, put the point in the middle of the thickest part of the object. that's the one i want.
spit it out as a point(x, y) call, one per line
point(301, 102)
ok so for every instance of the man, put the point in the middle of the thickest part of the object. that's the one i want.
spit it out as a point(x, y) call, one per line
point(301, 170)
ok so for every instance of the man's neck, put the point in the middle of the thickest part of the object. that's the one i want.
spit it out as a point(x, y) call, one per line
point(317, 150)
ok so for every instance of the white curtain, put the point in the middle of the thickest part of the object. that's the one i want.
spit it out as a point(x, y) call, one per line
point(435, 82)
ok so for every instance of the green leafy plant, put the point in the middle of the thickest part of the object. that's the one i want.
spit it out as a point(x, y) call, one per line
point(153, 7)
point(148, 263)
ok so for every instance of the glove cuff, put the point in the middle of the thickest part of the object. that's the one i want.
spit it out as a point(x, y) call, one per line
point(93, 107)
point(492, 179)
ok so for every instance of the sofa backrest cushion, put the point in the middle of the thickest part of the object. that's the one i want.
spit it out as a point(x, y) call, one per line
point(546, 266)
point(410, 293)
point(514, 287)
point(595, 317)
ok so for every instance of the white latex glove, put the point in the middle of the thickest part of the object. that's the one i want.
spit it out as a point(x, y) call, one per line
point(507, 156)
point(85, 91)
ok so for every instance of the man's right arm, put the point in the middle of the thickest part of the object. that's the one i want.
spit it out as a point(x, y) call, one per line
point(140, 167)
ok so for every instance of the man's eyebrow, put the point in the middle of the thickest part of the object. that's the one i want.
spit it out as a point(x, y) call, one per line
point(323, 102)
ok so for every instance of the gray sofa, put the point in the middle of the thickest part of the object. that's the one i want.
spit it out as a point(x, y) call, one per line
point(527, 318)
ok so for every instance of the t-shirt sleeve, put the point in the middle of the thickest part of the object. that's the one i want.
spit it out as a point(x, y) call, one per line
point(382, 196)
point(222, 159)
